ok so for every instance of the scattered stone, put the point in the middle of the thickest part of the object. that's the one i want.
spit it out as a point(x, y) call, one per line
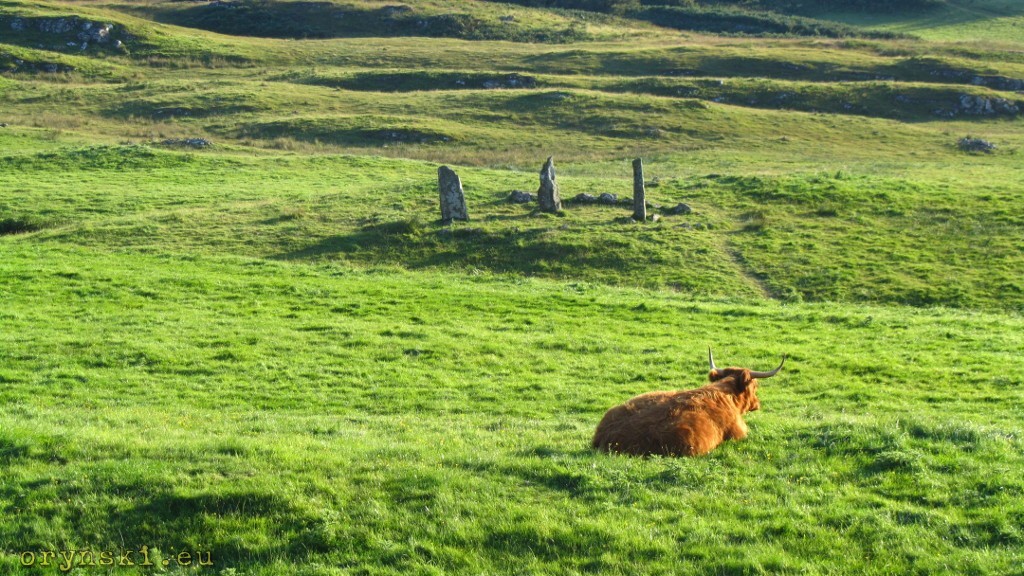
point(453, 199)
point(607, 198)
point(584, 198)
point(968, 144)
point(520, 197)
point(507, 19)
point(654, 217)
point(680, 209)
point(558, 96)
point(188, 142)
point(3, 124)
point(699, 226)
point(547, 195)
point(685, 226)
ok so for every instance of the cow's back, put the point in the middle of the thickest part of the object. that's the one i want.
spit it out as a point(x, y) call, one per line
point(668, 423)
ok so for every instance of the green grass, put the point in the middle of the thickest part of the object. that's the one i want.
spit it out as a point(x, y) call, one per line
point(844, 236)
point(272, 351)
point(281, 415)
point(957, 21)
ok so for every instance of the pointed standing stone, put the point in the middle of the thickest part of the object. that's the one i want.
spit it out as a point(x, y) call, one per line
point(453, 200)
point(639, 194)
point(547, 194)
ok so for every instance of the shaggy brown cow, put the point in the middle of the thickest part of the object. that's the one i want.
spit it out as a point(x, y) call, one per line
point(684, 422)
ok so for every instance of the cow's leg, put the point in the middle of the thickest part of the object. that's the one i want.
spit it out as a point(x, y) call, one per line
point(738, 430)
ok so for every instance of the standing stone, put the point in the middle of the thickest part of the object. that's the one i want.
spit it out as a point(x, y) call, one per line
point(639, 194)
point(453, 200)
point(547, 194)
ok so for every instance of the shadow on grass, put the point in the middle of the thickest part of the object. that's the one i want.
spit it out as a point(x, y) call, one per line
point(537, 251)
point(172, 521)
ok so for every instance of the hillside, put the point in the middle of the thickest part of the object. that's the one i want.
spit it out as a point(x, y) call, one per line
point(234, 325)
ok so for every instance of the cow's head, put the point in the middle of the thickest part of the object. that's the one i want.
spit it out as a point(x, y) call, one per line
point(741, 382)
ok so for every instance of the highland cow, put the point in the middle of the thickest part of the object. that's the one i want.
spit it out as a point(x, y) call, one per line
point(684, 422)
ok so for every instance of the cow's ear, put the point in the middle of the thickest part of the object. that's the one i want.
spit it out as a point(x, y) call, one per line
point(743, 379)
point(715, 375)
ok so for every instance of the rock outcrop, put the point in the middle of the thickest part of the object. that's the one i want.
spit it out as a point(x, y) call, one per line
point(982, 106)
point(520, 197)
point(73, 31)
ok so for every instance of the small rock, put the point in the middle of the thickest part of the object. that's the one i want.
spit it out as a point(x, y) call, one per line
point(654, 217)
point(520, 81)
point(188, 142)
point(396, 10)
point(680, 209)
point(968, 144)
point(583, 197)
point(520, 197)
point(3, 124)
point(607, 198)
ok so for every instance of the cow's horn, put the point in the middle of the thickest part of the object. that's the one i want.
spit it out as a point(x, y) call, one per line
point(711, 359)
point(770, 373)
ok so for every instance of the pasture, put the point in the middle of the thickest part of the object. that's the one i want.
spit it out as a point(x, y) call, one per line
point(267, 356)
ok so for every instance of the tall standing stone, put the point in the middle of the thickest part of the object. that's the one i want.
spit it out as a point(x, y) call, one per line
point(547, 195)
point(639, 194)
point(453, 199)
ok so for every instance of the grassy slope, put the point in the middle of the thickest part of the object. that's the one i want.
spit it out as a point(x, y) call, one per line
point(801, 234)
point(1000, 21)
point(282, 415)
point(221, 350)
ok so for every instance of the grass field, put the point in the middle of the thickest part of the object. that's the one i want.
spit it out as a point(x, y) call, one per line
point(268, 356)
